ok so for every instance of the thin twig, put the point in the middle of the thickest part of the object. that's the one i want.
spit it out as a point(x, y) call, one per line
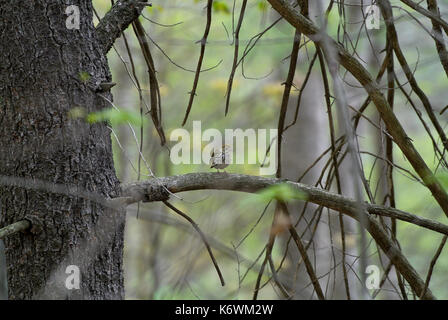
point(432, 265)
point(201, 57)
point(203, 237)
point(235, 54)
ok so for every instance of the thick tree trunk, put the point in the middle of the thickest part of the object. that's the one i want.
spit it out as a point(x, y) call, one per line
point(42, 77)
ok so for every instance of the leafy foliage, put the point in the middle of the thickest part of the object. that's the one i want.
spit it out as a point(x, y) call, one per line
point(282, 192)
point(84, 76)
point(114, 116)
point(221, 6)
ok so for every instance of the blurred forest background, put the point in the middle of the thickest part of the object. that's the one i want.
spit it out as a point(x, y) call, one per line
point(164, 257)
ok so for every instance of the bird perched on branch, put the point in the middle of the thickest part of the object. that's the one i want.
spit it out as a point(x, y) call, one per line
point(220, 157)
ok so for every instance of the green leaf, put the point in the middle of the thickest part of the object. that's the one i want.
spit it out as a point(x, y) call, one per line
point(116, 117)
point(262, 5)
point(282, 192)
point(221, 6)
point(84, 76)
point(443, 178)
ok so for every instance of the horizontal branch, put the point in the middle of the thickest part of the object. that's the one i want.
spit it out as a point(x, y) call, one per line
point(14, 228)
point(159, 189)
point(119, 17)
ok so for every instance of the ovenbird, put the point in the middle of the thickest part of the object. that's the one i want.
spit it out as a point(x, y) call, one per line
point(220, 157)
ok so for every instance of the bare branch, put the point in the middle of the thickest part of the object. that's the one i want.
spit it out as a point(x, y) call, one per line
point(156, 108)
point(434, 17)
point(304, 255)
point(438, 36)
point(433, 262)
point(203, 237)
point(156, 190)
point(153, 190)
point(386, 11)
point(119, 17)
point(235, 55)
point(14, 228)
point(201, 58)
point(394, 127)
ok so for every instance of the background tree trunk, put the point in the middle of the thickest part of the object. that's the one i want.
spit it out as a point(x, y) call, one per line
point(41, 79)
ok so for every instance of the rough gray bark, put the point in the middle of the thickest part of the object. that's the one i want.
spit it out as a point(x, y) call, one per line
point(3, 274)
point(39, 83)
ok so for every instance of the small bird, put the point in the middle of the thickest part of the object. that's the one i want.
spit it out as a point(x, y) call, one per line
point(220, 157)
